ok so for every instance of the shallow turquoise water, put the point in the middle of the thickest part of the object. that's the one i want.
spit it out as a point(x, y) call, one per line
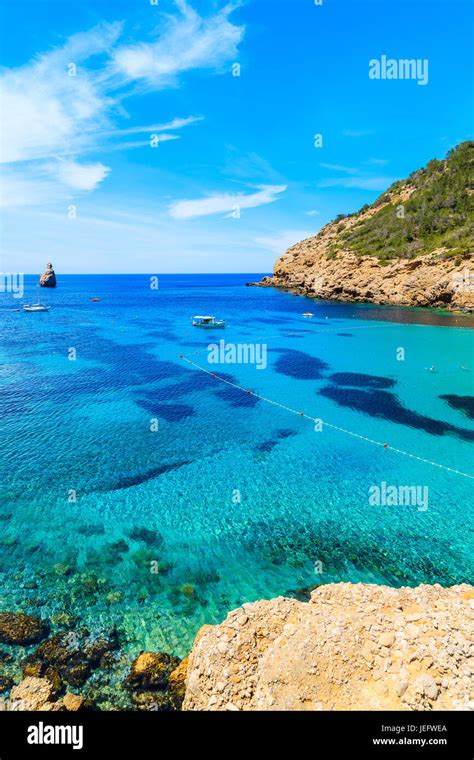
point(169, 497)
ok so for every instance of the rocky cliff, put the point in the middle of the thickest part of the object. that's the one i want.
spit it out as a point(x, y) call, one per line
point(413, 246)
point(351, 647)
point(48, 278)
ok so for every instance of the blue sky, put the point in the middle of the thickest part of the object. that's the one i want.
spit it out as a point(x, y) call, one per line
point(235, 177)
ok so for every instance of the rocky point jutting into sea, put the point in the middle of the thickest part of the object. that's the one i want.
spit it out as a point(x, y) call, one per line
point(412, 247)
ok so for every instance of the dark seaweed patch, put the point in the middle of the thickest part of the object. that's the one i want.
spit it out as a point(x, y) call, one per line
point(168, 412)
point(300, 365)
point(340, 548)
point(164, 335)
point(236, 398)
point(285, 433)
point(360, 380)
point(150, 537)
point(462, 403)
point(91, 530)
point(127, 481)
point(266, 445)
point(386, 406)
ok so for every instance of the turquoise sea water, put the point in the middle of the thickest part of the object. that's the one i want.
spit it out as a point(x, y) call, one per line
point(234, 498)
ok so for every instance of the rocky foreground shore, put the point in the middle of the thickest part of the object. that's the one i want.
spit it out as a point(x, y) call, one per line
point(350, 647)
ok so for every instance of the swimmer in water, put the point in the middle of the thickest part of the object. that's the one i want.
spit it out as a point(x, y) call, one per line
point(431, 369)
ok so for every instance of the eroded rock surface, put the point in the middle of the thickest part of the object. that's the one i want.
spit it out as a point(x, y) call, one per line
point(351, 647)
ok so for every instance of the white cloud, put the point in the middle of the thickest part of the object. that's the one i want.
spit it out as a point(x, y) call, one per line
point(378, 161)
point(357, 132)
point(174, 124)
point(79, 176)
point(360, 183)
point(51, 119)
point(356, 179)
point(313, 212)
point(340, 168)
point(45, 111)
point(282, 240)
point(225, 203)
point(187, 42)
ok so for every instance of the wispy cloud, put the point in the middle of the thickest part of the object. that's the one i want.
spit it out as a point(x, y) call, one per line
point(353, 177)
point(225, 203)
point(378, 161)
point(282, 240)
point(79, 176)
point(357, 132)
point(55, 115)
point(340, 168)
point(186, 42)
point(46, 111)
point(170, 125)
point(359, 183)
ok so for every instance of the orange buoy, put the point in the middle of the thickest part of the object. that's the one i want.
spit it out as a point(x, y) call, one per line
point(385, 445)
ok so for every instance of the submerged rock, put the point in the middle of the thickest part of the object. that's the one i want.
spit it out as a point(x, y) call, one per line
point(18, 628)
point(48, 278)
point(70, 657)
point(177, 683)
point(5, 683)
point(150, 671)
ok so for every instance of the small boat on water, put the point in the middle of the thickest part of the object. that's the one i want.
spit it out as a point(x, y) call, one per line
point(207, 322)
point(95, 300)
point(308, 314)
point(34, 307)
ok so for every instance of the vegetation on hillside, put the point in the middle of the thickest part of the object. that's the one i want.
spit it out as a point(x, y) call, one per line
point(438, 214)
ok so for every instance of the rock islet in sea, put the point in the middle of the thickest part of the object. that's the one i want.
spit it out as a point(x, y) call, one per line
point(48, 278)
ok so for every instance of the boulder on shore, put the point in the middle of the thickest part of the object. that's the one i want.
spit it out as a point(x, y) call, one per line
point(48, 278)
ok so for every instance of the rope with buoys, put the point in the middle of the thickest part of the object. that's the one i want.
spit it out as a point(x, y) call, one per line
point(328, 424)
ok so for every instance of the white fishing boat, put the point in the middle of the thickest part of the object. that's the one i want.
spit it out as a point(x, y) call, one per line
point(308, 314)
point(207, 322)
point(35, 307)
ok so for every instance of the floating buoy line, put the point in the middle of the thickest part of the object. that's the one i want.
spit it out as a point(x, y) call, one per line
point(316, 420)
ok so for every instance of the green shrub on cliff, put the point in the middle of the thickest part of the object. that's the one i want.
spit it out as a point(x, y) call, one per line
point(439, 213)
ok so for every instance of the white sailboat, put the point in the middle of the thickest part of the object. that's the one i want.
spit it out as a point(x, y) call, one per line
point(34, 307)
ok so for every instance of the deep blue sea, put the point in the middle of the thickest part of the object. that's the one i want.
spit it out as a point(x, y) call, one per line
point(159, 527)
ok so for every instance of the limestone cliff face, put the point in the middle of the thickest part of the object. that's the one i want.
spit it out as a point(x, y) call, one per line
point(351, 647)
point(412, 247)
point(48, 278)
point(423, 281)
